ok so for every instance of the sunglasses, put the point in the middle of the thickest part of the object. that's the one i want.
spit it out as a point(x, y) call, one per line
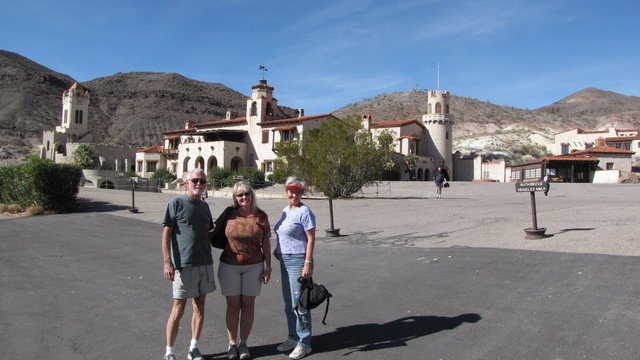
point(198, 181)
point(243, 194)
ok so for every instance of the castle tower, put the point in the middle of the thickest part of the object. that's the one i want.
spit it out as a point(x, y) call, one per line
point(439, 123)
point(75, 113)
point(262, 105)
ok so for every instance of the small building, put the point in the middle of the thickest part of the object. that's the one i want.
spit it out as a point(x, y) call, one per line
point(60, 144)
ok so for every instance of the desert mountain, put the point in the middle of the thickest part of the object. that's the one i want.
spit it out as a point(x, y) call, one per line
point(135, 108)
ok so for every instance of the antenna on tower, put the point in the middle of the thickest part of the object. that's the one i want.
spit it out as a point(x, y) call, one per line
point(438, 75)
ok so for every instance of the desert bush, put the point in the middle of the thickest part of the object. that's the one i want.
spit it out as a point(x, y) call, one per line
point(34, 210)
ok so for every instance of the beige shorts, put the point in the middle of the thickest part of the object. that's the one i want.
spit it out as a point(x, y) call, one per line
point(238, 280)
point(193, 281)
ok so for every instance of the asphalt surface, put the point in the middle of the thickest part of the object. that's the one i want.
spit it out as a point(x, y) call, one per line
point(412, 277)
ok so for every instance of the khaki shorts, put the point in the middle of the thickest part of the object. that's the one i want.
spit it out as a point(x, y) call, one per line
point(193, 281)
point(238, 280)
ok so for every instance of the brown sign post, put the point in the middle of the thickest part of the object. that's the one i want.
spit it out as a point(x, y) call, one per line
point(532, 187)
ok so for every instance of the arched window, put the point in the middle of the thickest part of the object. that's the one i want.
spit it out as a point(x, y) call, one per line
point(446, 109)
point(438, 108)
point(185, 164)
point(236, 163)
point(212, 163)
point(429, 109)
point(200, 162)
point(254, 109)
point(269, 109)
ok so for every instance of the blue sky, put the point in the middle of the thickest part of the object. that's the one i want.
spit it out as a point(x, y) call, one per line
point(323, 55)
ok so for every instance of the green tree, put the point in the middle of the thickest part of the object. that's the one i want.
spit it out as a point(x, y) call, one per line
point(85, 157)
point(163, 176)
point(339, 158)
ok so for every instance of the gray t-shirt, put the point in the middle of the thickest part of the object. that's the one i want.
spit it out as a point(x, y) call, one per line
point(190, 222)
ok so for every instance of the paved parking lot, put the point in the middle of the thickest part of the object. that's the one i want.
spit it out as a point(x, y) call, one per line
point(412, 276)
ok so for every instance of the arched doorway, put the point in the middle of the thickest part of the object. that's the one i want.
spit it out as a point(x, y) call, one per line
point(236, 163)
point(200, 162)
point(212, 163)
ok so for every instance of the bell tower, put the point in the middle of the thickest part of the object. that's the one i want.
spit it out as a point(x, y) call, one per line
point(439, 123)
point(262, 105)
point(75, 113)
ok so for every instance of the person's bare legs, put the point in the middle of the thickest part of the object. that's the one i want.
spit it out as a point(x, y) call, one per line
point(173, 323)
point(247, 315)
point(233, 318)
point(197, 318)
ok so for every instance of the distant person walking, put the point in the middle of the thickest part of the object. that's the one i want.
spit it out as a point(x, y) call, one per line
point(245, 264)
point(186, 253)
point(440, 178)
point(296, 235)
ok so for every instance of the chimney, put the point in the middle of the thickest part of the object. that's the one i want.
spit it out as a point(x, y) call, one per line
point(189, 124)
point(300, 112)
point(228, 117)
point(366, 122)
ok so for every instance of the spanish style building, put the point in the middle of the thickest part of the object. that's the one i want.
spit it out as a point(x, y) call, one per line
point(253, 140)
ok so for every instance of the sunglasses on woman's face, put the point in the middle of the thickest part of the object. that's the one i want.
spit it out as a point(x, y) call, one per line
point(198, 181)
point(243, 194)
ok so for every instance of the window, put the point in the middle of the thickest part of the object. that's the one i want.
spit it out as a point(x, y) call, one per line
point(588, 145)
point(267, 166)
point(265, 136)
point(438, 108)
point(254, 109)
point(609, 166)
point(139, 165)
point(151, 166)
point(564, 149)
point(285, 135)
point(532, 173)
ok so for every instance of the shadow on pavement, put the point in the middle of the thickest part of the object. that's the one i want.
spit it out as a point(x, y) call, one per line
point(87, 205)
point(371, 337)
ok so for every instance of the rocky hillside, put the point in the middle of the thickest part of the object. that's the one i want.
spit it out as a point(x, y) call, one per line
point(488, 128)
point(135, 108)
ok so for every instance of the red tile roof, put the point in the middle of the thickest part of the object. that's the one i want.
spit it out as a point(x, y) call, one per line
point(155, 149)
point(394, 123)
point(294, 120)
point(602, 150)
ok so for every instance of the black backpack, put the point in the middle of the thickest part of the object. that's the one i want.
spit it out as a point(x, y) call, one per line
point(311, 296)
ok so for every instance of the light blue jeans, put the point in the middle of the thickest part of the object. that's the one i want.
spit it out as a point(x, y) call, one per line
point(299, 327)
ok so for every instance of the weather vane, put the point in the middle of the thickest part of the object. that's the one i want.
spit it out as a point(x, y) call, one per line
point(263, 69)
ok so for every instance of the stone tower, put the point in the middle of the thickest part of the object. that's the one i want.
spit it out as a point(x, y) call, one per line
point(75, 113)
point(261, 106)
point(439, 123)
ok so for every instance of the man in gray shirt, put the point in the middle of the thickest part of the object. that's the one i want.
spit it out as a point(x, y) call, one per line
point(188, 263)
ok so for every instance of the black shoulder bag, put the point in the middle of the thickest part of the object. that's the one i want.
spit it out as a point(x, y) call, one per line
point(217, 236)
point(311, 296)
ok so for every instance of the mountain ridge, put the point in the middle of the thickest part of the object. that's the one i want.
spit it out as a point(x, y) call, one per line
point(135, 108)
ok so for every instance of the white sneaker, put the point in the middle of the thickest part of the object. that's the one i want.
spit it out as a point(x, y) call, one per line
point(287, 345)
point(299, 352)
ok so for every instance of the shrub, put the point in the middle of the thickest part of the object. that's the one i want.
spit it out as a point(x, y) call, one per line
point(14, 209)
point(34, 210)
point(163, 176)
point(40, 182)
